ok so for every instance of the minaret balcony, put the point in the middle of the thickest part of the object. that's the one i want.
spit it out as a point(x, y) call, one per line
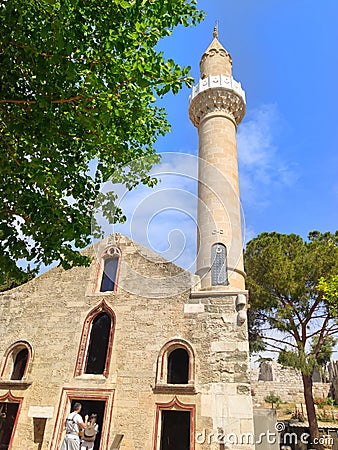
point(217, 81)
point(217, 94)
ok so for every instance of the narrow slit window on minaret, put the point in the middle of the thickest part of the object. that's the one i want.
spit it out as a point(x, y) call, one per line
point(219, 271)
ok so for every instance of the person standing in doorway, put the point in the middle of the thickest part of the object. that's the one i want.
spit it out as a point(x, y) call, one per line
point(88, 440)
point(74, 422)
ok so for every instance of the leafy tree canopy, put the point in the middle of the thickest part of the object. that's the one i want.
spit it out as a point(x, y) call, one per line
point(328, 288)
point(285, 275)
point(78, 83)
point(292, 300)
point(325, 351)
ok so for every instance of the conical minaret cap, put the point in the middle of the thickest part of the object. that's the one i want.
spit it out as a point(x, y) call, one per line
point(215, 60)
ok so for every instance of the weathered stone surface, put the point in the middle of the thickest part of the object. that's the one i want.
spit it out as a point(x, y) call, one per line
point(283, 381)
point(49, 313)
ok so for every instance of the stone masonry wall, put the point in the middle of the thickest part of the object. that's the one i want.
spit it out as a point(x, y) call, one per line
point(49, 313)
point(288, 392)
point(332, 369)
point(282, 381)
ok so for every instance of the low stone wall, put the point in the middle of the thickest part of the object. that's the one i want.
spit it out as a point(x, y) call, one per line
point(288, 392)
point(287, 383)
point(333, 374)
point(272, 371)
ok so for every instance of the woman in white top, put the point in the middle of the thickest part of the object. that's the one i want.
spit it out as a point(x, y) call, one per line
point(73, 424)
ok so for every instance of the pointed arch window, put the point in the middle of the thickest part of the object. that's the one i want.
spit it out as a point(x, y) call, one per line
point(219, 271)
point(108, 270)
point(96, 342)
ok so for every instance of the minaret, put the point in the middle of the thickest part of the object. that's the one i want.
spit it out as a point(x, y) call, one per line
point(217, 106)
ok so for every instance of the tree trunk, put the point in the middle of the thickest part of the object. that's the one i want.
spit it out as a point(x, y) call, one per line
point(311, 412)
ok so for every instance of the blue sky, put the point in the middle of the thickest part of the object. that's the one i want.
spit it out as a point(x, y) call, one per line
point(285, 55)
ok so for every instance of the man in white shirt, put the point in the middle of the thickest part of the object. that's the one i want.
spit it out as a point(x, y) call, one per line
point(73, 424)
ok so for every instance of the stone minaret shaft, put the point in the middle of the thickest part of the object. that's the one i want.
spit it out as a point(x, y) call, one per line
point(217, 105)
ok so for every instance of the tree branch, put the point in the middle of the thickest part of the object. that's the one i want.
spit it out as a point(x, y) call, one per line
point(321, 337)
point(33, 102)
point(14, 213)
point(280, 341)
point(292, 322)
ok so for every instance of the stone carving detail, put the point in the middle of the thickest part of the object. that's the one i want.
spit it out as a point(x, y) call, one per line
point(213, 81)
point(111, 252)
point(216, 51)
point(114, 239)
point(219, 99)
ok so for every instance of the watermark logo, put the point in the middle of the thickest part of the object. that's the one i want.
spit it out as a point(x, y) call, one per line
point(279, 426)
point(279, 436)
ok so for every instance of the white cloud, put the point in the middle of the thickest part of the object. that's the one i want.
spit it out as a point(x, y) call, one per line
point(260, 161)
point(163, 218)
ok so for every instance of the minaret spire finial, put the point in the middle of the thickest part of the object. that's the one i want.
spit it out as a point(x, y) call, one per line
point(215, 33)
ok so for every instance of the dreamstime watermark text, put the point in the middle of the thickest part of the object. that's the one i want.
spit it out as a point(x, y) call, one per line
point(271, 437)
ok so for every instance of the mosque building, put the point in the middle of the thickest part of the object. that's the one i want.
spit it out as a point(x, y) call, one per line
point(161, 355)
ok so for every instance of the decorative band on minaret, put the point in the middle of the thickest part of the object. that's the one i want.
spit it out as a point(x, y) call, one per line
point(217, 106)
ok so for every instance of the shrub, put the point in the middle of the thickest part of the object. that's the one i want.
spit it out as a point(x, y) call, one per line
point(273, 399)
point(321, 402)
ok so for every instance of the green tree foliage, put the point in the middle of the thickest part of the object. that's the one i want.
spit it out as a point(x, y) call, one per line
point(288, 306)
point(329, 291)
point(21, 277)
point(273, 399)
point(78, 83)
point(326, 349)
